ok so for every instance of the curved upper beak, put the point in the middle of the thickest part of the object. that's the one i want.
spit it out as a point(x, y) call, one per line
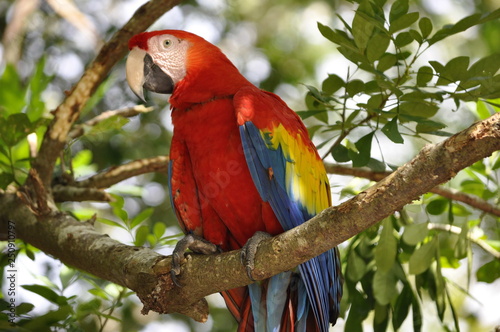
point(143, 73)
point(135, 71)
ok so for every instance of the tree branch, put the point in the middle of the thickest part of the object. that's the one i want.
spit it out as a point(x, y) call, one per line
point(452, 194)
point(148, 274)
point(471, 236)
point(67, 113)
point(78, 130)
point(91, 188)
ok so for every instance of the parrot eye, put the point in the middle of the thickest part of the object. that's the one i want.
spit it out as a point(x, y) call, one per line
point(167, 43)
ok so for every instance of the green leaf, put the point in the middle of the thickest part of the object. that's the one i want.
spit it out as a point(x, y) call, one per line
point(364, 146)
point(43, 322)
point(422, 258)
point(437, 206)
point(356, 267)
point(82, 158)
point(415, 233)
point(354, 87)
point(332, 84)
point(159, 229)
point(141, 216)
point(338, 37)
point(420, 108)
point(141, 235)
point(482, 110)
point(388, 60)
point(307, 114)
point(416, 36)
point(381, 318)
point(398, 9)
point(362, 28)
point(377, 45)
point(403, 39)
point(402, 307)
point(110, 222)
point(16, 127)
point(38, 83)
point(425, 25)
point(24, 308)
point(12, 92)
point(416, 313)
point(6, 179)
point(46, 293)
point(114, 122)
point(456, 69)
point(358, 312)
point(424, 75)
point(391, 130)
point(99, 292)
point(460, 26)
point(489, 272)
point(340, 153)
point(386, 249)
point(403, 22)
point(384, 286)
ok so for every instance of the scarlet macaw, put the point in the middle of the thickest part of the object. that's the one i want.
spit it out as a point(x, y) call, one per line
point(241, 162)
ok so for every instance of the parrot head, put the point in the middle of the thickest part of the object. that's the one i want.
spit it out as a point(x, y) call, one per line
point(182, 64)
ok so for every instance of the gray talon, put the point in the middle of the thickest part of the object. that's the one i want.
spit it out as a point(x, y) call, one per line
point(194, 243)
point(250, 250)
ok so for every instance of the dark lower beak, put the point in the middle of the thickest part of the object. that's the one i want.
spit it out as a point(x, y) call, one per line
point(143, 73)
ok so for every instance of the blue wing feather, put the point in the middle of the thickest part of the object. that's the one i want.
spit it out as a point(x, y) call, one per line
point(320, 275)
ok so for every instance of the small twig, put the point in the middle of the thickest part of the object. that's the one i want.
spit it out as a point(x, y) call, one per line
point(13, 36)
point(452, 194)
point(470, 235)
point(91, 189)
point(63, 193)
point(78, 130)
point(70, 12)
point(116, 174)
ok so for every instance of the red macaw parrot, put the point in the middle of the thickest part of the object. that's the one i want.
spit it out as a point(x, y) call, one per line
point(241, 162)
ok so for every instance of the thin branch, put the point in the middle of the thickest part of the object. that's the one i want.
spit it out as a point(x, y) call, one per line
point(147, 273)
point(69, 111)
point(470, 235)
point(91, 189)
point(70, 12)
point(13, 36)
point(78, 130)
point(116, 174)
point(64, 193)
point(452, 194)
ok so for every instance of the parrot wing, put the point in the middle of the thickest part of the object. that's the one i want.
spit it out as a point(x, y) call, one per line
point(289, 174)
point(183, 190)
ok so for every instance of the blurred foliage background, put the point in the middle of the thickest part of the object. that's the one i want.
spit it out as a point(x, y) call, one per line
point(46, 46)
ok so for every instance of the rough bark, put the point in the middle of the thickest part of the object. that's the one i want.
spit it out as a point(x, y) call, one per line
point(147, 273)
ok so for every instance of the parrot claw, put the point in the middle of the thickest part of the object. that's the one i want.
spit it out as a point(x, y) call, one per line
point(250, 250)
point(194, 243)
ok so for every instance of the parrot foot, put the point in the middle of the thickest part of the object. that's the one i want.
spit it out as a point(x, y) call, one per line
point(250, 250)
point(194, 243)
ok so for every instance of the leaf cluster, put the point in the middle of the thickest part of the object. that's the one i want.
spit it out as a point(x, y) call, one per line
point(387, 92)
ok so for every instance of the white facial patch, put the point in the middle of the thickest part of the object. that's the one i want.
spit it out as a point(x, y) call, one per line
point(169, 53)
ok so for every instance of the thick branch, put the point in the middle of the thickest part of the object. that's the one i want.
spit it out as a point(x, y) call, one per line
point(145, 272)
point(67, 113)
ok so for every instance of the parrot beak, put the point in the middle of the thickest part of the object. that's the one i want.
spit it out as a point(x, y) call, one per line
point(135, 71)
point(143, 73)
